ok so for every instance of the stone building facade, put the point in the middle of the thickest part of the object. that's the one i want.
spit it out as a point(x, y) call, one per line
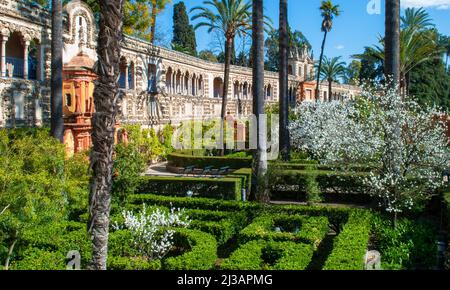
point(159, 85)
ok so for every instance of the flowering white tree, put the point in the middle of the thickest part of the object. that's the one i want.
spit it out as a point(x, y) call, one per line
point(407, 166)
point(151, 233)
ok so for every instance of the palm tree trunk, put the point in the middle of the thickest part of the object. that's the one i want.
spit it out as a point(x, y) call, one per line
point(260, 182)
point(330, 90)
point(57, 121)
point(153, 29)
point(103, 126)
point(320, 65)
point(226, 81)
point(283, 75)
point(392, 41)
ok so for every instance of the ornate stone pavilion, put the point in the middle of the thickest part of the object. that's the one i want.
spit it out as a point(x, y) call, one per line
point(159, 85)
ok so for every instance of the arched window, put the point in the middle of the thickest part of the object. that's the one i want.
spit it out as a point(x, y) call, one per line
point(15, 56)
point(169, 83)
point(152, 77)
point(69, 100)
point(123, 73)
point(218, 87)
point(131, 78)
point(290, 71)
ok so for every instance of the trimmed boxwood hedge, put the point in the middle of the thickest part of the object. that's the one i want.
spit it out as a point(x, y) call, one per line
point(222, 225)
point(246, 175)
point(50, 244)
point(187, 202)
point(350, 245)
point(328, 180)
point(183, 160)
point(269, 255)
point(311, 230)
point(132, 263)
point(228, 188)
point(202, 253)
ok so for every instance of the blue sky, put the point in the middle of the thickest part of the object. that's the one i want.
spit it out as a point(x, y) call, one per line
point(352, 31)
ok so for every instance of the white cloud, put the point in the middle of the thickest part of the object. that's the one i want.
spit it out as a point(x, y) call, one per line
point(439, 4)
point(339, 47)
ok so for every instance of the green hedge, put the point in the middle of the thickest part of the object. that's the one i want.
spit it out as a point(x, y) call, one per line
point(219, 188)
point(40, 259)
point(128, 263)
point(334, 186)
point(52, 243)
point(350, 246)
point(222, 225)
point(269, 255)
point(246, 175)
point(305, 164)
point(182, 160)
point(187, 202)
point(310, 230)
point(201, 253)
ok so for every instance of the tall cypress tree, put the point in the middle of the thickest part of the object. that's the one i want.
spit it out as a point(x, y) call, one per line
point(183, 32)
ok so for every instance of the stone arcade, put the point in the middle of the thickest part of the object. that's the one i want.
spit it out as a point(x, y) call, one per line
point(159, 85)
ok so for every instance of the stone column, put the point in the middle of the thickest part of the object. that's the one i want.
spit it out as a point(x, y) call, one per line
point(3, 51)
point(26, 45)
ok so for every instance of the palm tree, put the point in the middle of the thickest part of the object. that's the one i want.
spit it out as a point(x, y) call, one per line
point(57, 121)
point(283, 79)
point(157, 7)
point(392, 41)
point(416, 47)
point(416, 19)
point(103, 126)
point(331, 70)
point(260, 183)
point(231, 18)
point(329, 11)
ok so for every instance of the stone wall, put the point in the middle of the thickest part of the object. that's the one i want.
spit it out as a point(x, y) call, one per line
point(177, 86)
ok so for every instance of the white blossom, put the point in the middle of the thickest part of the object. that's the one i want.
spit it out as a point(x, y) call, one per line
point(152, 233)
point(406, 144)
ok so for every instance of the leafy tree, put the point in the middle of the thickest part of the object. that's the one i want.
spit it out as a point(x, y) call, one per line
point(38, 186)
point(331, 70)
point(364, 132)
point(297, 41)
point(352, 73)
point(183, 32)
point(418, 44)
point(207, 55)
point(329, 11)
point(430, 84)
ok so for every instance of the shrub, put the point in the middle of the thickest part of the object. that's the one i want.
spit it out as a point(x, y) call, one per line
point(246, 175)
point(186, 202)
point(200, 254)
point(149, 232)
point(350, 246)
point(222, 225)
point(222, 188)
point(38, 259)
point(269, 255)
point(411, 245)
point(132, 263)
point(182, 160)
point(310, 230)
point(128, 165)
